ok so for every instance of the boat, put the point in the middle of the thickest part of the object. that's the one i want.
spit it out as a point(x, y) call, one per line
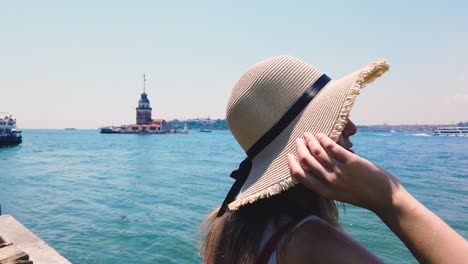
point(9, 135)
point(451, 131)
point(205, 130)
point(110, 130)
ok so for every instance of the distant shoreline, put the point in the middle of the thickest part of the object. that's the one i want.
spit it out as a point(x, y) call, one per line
point(221, 124)
point(424, 128)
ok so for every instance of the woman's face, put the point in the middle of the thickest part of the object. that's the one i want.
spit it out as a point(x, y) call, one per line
point(349, 130)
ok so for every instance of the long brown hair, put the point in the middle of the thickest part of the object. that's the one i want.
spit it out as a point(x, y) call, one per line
point(235, 237)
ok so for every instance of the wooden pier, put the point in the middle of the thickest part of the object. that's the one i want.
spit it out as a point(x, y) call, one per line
point(21, 246)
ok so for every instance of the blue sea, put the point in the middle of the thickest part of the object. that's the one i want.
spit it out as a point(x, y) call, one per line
point(102, 198)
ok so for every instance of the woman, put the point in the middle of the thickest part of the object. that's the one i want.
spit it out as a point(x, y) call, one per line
point(292, 122)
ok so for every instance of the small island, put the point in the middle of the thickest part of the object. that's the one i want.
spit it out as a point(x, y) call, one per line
point(145, 124)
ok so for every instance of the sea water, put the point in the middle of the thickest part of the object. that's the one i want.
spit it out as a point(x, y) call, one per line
point(107, 198)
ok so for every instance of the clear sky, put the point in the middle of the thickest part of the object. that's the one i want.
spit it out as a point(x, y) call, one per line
point(80, 63)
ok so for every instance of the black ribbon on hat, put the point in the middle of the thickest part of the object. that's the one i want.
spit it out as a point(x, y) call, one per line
point(242, 172)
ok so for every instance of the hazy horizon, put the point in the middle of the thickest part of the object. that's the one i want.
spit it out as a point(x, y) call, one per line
point(80, 64)
point(379, 124)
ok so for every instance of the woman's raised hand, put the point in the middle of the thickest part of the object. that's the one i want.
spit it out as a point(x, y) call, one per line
point(336, 173)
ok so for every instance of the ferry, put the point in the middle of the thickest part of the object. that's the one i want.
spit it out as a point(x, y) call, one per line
point(451, 131)
point(9, 135)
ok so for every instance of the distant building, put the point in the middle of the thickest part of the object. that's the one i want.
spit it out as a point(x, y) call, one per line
point(145, 124)
point(143, 111)
point(144, 121)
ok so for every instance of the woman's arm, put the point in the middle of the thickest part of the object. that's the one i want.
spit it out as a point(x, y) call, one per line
point(338, 174)
point(428, 237)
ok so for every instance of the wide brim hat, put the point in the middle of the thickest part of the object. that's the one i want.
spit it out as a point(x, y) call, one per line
point(274, 102)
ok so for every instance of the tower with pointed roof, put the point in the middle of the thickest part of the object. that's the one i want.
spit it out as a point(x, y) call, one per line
point(143, 111)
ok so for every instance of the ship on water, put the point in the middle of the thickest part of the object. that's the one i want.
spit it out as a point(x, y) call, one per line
point(9, 135)
point(451, 131)
point(145, 124)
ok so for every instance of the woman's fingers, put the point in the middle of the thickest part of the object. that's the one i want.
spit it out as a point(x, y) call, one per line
point(317, 151)
point(336, 151)
point(350, 179)
point(309, 180)
point(307, 161)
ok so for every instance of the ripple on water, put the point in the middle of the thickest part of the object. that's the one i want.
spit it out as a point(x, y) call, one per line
point(128, 198)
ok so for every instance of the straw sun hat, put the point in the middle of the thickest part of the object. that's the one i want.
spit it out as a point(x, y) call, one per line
point(272, 105)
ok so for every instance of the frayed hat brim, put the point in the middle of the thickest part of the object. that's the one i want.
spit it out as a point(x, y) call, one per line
point(327, 114)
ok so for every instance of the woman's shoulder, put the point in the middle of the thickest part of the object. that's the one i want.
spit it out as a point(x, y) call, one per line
point(314, 239)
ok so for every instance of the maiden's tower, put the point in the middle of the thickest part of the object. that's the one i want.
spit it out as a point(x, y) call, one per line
point(145, 124)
